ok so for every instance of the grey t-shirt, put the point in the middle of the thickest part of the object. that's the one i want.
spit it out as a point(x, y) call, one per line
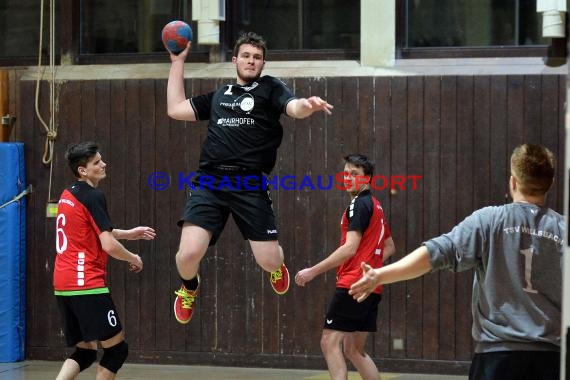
point(516, 251)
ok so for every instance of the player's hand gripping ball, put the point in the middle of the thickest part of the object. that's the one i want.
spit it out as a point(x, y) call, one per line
point(175, 35)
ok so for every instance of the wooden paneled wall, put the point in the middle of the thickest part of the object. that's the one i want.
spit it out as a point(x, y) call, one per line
point(456, 132)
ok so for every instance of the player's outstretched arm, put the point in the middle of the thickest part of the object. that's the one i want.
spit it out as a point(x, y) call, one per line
point(339, 256)
point(178, 107)
point(305, 107)
point(410, 266)
point(137, 233)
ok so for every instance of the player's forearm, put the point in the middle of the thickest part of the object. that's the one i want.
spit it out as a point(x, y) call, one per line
point(299, 109)
point(335, 259)
point(304, 107)
point(411, 266)
point(175, 95)
point(120, 234)
point(118, 251)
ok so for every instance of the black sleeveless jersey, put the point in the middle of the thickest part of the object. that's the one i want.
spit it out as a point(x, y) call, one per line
point(244, 128)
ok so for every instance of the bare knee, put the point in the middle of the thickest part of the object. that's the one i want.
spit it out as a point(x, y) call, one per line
point(194, 243)
point(328, 344)
point(268, 254)
point(352, 352)
point(188, 255)
point(270, 264)
point(353, 346)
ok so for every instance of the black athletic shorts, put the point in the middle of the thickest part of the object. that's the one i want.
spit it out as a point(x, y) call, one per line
point(515, 365)
point(346, 314)
point(89, 317)
point(251, 210)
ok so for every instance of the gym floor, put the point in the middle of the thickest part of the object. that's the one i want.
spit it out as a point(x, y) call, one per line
point(42, 370)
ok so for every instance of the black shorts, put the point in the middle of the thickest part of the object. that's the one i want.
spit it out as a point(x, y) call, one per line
point(515, 365)
point(346, 314)
point(251, 210)
point(89, 317)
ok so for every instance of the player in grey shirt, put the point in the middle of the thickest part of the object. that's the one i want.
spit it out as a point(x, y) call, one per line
point(516, 251)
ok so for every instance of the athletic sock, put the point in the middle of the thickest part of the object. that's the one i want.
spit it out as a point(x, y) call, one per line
point(191, 284)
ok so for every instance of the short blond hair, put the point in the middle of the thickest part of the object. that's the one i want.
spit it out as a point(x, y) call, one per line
point(533, 167)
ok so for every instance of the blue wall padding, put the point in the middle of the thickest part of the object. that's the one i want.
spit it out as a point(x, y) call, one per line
point(12, 253)
point(12, 282)
point(12, 171)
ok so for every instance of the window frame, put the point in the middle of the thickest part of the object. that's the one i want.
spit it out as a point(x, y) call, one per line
point(228, 39)
point(70, 44)
point(403, 52)
point(70, 10)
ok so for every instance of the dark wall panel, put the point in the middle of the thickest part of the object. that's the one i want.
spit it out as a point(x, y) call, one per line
point(429, 185)
point(457, 133)
point(448, 201)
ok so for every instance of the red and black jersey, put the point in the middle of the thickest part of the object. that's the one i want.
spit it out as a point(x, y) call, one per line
point(80, 263)
point(364, 214)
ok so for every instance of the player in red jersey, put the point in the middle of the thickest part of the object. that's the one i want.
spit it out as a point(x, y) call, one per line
point(365, 238)
point(84, 238)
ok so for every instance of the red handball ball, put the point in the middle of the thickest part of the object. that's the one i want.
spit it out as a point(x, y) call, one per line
point(175, 35)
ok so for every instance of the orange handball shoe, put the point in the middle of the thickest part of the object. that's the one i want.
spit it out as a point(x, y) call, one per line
point(280, 280)
point(185, 302)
